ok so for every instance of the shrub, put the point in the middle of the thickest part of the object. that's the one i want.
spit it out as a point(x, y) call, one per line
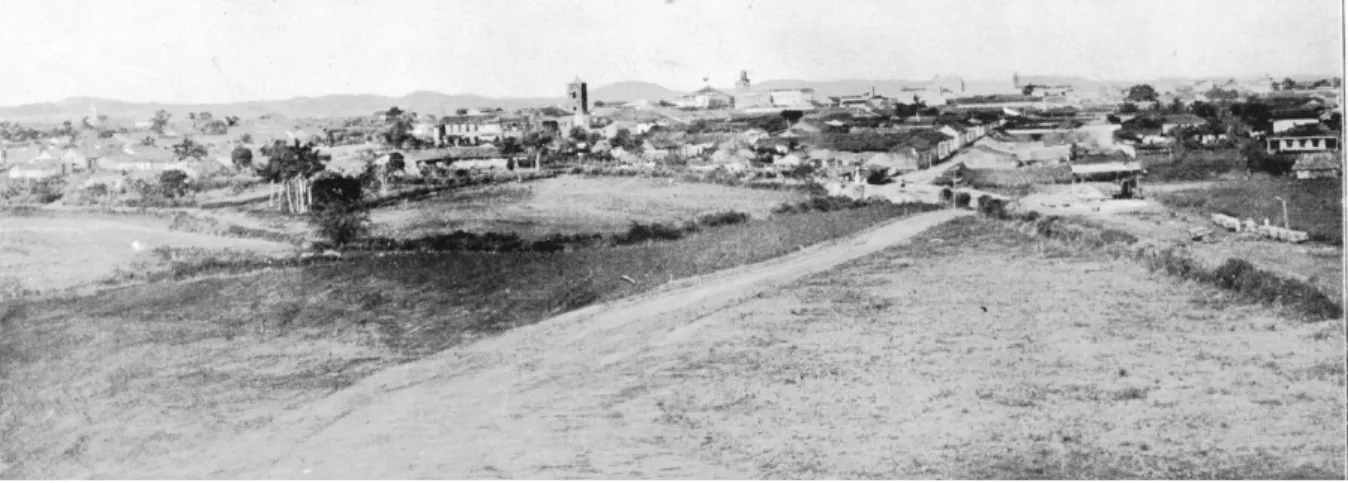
point(947, 195)
point(638, 233)
point(962, 199)
point(173, 184)
point(723, 218)
point(337, 211)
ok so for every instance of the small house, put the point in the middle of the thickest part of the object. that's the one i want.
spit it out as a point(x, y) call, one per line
point(1318, 165)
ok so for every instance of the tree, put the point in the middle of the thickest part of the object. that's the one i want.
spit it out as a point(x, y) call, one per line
point(232, 120)
point(189, 149)
point(537, 142)
point(1176, 106)
point(792, 117)
point(1288, 84)
point(1128, 108)
point(1112, 119)
point(173, 183)
point(1205, 110)
point(242, 158)
point(1141, 92)
point(460, 112)
point(246, 138)
point(393, 113)
point(338, 211)
point(579, 134)
point(510, 146)
point(290, 171)
point(623, 139)
point(160, 121)
point(598, 103)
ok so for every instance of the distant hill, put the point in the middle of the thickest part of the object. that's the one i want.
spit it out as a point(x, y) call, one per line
point(427, 102)
point(74, 109)
point(632, 90)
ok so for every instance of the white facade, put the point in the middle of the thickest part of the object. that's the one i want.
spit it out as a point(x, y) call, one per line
point(792, 97)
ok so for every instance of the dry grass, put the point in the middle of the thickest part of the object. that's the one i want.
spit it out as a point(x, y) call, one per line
point(981, 353)
point(1314, 206)
point(94, 384)
point(44, 254)
point(571, 205)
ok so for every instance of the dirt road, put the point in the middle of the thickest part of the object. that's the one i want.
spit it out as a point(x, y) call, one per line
point(544, 401)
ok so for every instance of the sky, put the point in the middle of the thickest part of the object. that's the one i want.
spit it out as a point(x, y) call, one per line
point(186, 51)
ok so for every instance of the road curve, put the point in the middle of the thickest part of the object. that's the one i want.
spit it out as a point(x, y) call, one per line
point(536, 402)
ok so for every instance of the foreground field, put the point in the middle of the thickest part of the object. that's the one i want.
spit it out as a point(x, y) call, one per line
point(973, 352)
point(571, 205)
point(132, 379)
point(44, 253)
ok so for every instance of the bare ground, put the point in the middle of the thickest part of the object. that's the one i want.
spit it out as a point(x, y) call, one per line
point(973, 352)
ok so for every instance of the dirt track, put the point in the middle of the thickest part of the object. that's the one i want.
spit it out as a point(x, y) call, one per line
point(513, 406)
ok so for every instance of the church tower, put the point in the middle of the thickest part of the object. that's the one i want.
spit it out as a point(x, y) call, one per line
point(743, 83)
point(578, 97)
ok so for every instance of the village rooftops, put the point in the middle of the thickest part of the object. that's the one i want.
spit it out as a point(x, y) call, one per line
point(791, 89)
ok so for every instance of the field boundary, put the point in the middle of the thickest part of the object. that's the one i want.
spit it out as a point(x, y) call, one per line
point(1235, 275)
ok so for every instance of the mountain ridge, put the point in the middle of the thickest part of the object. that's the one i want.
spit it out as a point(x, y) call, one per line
point(430, 102)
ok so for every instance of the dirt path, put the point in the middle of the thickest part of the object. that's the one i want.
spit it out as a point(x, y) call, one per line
point(539, 402)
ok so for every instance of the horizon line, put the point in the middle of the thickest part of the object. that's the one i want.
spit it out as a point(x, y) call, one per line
point(657, 84)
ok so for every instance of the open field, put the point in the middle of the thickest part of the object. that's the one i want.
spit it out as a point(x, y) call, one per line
point(1314, 206)
point(972, 352)
point(40, 253)
point(571, 205)
point(187, 363)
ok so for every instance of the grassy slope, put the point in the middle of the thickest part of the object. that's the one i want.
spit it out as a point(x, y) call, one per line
point(977, 352)
point(1315, 206)
point(571, 204)
point(139, 372)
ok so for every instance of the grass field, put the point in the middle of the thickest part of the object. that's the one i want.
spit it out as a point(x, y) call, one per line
point(571, 205)
point(144, 373)
point(977, 352)
point(42, 253)
point(1314, 206)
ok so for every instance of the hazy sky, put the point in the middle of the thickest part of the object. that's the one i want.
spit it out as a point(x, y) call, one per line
point(234, 50)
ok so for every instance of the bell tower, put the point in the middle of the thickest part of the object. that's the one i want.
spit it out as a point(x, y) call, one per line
point(578, 97)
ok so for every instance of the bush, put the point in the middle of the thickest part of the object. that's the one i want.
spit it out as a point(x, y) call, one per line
point(962, 199)
point(173, 184)
point(638, 233)
point(723, 218)
point(338, 211)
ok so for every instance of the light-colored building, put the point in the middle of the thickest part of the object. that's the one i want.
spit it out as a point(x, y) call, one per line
point(705, 98)
point(1301, 144)
point(792, 97)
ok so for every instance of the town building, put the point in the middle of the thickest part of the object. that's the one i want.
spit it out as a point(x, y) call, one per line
point(801, 97)
point(705, 98)
point(1318, 165)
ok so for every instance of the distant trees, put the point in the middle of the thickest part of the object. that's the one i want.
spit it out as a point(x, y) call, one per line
point(1128, 108)
point(792, 116)
point(189, 149)
point(1141, 93)
point(1219, 94)
point(1205, 110)
point(160, 121)
point(460, 112)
